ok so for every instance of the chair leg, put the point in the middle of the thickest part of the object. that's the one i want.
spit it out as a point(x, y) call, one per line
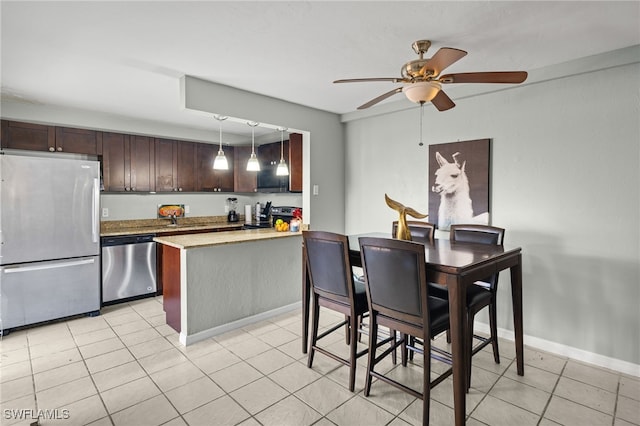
point(360, 322)
point(448, 336)
point(353, 348)
point(314, 330)
point(493, 324)
point(394, 356)
point(373, 342)
point(469, 338)
point(403, 348)
point(426, 380)
point(347, 333)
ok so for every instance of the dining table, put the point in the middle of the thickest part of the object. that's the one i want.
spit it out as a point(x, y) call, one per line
point(456, 265)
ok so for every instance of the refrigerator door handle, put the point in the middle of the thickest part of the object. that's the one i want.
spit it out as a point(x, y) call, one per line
point(94, 213)
point(16, 269)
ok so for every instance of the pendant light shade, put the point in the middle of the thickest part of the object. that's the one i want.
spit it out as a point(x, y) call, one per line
point(282, 169)
point(253, 165)
point(220, 163)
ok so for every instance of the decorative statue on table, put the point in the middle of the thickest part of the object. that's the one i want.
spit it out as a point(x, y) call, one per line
point(403, 230)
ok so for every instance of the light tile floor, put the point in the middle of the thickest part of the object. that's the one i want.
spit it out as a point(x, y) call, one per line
point(126, 367)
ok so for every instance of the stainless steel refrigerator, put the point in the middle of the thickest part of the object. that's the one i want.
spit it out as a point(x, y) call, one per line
point(49, 239)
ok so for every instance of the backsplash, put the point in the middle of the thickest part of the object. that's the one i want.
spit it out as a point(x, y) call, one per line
point(145, 206)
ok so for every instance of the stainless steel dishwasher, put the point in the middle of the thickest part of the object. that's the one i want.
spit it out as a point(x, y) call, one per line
point(128, 267)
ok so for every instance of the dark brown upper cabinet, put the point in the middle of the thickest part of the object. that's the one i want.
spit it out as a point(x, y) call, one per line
point(244, 181)
point(128, 163)
point(295, 162)
point(39, 137)
point(175, 165)
point(208, 179)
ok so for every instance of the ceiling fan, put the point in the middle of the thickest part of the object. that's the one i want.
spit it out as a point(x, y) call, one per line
point(423, 82)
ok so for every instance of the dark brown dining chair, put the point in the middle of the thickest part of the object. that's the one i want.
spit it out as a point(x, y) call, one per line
point(482, 294)
point(422, 232)
point(398, 296)
point(333, 287)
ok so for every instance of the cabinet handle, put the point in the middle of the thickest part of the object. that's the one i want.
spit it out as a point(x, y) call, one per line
point(180, 189)
point(133, 189)
point(51, 149)
point(59, 149)
point(126, 188)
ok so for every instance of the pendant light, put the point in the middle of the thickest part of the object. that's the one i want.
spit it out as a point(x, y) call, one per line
point(282, 169)
point(253, 165)
point(220, 163)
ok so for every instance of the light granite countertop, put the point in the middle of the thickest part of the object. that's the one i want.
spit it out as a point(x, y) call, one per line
point(189, 241)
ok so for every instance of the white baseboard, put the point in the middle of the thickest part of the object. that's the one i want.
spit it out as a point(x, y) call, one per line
point(215, 331)
point(566, 351)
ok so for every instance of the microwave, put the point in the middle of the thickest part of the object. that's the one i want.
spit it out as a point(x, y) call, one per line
point(269, 182)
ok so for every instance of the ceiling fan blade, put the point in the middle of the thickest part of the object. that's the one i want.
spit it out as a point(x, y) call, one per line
point(442, 59)
point(510, 77)
point(380, 98)
point(363, 80)
point(442, 101)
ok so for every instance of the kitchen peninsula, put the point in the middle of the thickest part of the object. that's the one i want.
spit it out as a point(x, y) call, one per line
point(215, 282)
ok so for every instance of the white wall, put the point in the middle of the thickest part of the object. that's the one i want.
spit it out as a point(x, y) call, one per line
point(565, 183)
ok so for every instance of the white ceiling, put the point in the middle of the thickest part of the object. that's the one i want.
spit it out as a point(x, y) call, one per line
point(126, 58)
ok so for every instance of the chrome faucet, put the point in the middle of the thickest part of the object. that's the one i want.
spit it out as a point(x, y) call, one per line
point(174, 219)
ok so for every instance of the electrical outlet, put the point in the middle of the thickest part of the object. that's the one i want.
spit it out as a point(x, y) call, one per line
point(186, 209)
point(316, 189)
point(105, 212)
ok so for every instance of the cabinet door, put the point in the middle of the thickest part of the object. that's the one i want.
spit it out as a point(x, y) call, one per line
point(115, 162)
point(269, 156)
point(209, 179)
point(142, 155)
point(244, 181)
point(225, 178)
point(206, 180)
point(186, 166)
point(79, 141)
point(166, 165)
point(34, 137)
point(295, 162)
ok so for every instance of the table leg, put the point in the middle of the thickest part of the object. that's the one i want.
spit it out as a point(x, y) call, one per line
point(457, 300)
point(306, 293)
point(516, 295)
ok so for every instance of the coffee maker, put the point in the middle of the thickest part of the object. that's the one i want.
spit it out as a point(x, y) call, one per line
point(232, 216)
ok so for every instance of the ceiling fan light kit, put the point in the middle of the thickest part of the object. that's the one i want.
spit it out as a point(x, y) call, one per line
point(423, 82)
point(422, 91)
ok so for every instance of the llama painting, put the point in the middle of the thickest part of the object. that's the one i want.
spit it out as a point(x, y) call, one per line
point(459, 182)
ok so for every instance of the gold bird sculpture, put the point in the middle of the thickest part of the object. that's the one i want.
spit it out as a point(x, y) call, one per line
point(403, 230)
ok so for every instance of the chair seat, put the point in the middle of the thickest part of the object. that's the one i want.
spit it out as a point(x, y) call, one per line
point(477, 295)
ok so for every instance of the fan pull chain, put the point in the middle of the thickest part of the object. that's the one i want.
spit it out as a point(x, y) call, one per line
point(421, 115)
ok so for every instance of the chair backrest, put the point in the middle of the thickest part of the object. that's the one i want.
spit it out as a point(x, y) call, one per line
point(422, 232)
point(328, 264)
point(395, 278)
point(481, 234)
